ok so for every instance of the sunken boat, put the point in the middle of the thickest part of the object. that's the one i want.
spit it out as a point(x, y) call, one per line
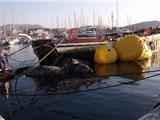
point(79, 46)
point(83, 48)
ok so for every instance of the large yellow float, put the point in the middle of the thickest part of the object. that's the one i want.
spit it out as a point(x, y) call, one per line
point(129, 48)
point(132, 48)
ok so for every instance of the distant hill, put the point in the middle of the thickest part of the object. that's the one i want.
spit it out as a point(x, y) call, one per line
point(143, 25)
point(22, 26)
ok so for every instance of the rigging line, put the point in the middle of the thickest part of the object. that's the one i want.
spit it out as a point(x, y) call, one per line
point(15, 89)
point(58, 58)
point(42, 45)
point(88, 90)
point(48, 53)
point(34, 95)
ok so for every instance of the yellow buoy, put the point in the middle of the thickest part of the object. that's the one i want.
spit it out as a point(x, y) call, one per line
point(105, 54)
point(131, 48)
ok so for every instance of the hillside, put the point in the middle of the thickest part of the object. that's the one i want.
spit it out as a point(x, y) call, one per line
point(22, 26)
point(143, 25)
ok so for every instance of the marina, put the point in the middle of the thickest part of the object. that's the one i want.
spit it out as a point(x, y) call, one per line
point(107, 90)
point(79, 60)
point(125, 87)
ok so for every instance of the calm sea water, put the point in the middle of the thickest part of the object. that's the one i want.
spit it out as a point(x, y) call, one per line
point(106, 97)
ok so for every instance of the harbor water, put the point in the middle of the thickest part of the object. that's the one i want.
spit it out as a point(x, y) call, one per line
point(120, 91)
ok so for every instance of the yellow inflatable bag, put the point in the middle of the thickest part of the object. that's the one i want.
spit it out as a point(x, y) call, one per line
point(105, 54)
point(131, 48)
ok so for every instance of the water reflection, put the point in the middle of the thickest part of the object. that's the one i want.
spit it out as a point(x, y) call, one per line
point(66, 84)
point(131, 70)
point(27, 86)
point(5, 88)
point(155, 60)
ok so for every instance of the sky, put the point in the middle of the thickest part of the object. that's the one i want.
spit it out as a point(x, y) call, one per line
point(64, 13)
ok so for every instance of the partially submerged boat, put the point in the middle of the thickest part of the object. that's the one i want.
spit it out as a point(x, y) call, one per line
point(83, 47)
point(79, 48)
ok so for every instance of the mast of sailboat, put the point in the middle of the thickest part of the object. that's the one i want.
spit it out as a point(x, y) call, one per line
point(51, 24)
point(94, 18)
point(112, 21)
point(26, 29)
point(78, 22)
point(128, 21)
point(4, 32)
point(12, 26)
point(98, 18)
point(69, 22)
point(65, 23)
point(75, 21)
point(82, 19)
point(57, 24)
point(117, 14)
point(87, 20)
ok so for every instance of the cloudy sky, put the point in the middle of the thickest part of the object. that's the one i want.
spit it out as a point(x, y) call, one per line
point(64, 13)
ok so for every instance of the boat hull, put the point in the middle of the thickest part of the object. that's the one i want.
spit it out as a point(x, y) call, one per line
point(82, 50)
